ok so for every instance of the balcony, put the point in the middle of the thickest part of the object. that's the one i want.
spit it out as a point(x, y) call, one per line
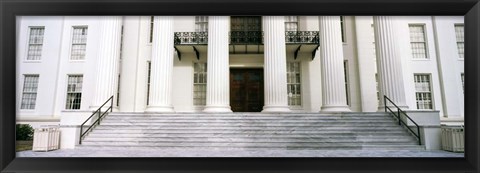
point(247, 42)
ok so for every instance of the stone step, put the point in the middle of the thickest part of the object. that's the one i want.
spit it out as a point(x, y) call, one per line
point(248, 144)
point(371, 121)
point(248, 139)
point(332, 147)
point(293, 131)
point(243, 125)
point(258, 135)
point(246, 129)
point(247, 117)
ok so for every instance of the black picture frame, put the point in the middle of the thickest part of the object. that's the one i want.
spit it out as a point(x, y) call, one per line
point(10, 8)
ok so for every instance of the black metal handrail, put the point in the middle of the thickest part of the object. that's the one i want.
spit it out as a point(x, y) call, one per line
point(400, 121)
point(101, 115)
point(304, 37)
point(191, 38)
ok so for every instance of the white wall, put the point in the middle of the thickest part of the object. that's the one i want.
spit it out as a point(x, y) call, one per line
point(450, 65)
point(358, 51)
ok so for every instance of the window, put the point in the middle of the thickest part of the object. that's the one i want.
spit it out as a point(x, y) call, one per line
point(459, 33)
point(118, 90)
point(463, 82)
point(342, 27)
point(74, 91)
point(148, 80)
point(291, 23)
point(201, 23)
point(377, 87)
point(151, 29)
point(417, 41)
point(29, 96)
point(423, 92)
point(345, 71)
point(79, 42)
point(35, 43)
point(294, 84)
point(199, 84)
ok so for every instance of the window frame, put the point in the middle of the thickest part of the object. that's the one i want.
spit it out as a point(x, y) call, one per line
point(205, 73)
point(30, 92)
point(29, 44)
point(149, 72)
point(300, 96)
point(72, 43)
point(432, 100)
point(296, 22)
point(150, 28)
point(425, 38)
point(456, 40)
point(67, 92)
point(199, 23)
point(343, 31)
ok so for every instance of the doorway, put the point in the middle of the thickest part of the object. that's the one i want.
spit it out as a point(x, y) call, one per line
point(246, 90)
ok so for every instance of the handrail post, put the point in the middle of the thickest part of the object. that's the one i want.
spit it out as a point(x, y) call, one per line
point(111, 104)
point(398, 116)
point(80, 138)
point(419, 137)
point(99, 114)
point(385, 103)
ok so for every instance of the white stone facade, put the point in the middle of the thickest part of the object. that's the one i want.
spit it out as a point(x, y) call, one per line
point(128, 52)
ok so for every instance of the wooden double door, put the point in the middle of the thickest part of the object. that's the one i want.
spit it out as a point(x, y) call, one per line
point(246, 90)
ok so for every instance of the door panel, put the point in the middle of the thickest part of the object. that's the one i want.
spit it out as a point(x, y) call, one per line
point(246, 90)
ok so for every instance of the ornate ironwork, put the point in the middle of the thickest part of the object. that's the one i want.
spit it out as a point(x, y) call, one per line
point(303, 37)
point(191, 38)
point(246, 37)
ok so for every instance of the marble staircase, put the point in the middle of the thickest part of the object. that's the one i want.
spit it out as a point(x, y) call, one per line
point(353, 130)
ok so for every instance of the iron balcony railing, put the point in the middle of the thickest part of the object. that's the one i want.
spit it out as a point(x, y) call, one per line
point(247, 37)
point(191, 38)
point(301, 37)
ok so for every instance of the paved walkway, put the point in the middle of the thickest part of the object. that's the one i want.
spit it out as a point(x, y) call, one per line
point(235, 153)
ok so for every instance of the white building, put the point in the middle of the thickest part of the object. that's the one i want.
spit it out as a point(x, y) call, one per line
point(69, 66)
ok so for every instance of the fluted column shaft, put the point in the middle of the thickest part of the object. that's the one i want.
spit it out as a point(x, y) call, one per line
point(107, 60)
point(218, 82)
point(275, 65)
point(331, 57)
point(389, 65)
point(160, 99)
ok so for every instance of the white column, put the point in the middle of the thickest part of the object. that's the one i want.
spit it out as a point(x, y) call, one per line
point(160, 99)
point(107, 60)
point(218, 70)
point(275, 68)
point(331, 56)
point(389, 64)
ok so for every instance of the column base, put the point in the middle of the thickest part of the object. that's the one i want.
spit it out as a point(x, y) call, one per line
point(335, 109)
point(159, 109)
point(276, 109)
point(217, 109)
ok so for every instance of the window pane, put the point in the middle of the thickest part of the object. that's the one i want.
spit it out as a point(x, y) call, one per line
point(79, 43)
point(199, 83)
point(74, 91)
point(418, 41)
point(423, 91)
point(35, 43)
point(29, 95)
point(293, 84)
